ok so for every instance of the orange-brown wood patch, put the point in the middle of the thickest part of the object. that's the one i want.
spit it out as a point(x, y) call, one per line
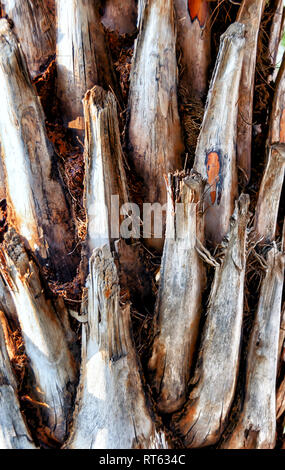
point(198, 9)
point(213, 172)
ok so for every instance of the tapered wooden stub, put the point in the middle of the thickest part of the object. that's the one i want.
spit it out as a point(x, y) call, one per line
point(203, 419)
point(82, 58)
point(112, 412)
point(46, 345)
point(154, 126)
point(36, 203)
point(256, 427)
point(249, 14)
point(34, 22)
point(179, 298)
point(194, 44)
point(105, 179)
point(215, 157)
point(13, 431)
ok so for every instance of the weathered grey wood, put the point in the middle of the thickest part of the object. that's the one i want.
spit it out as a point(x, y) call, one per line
point(154, 127)
point(178, 302)
point(111, 411)
point(104, 169)
point(46, 345)
point(215, 157)
point(249, 14)
point(37, 205)
point(13, 430)
point(203, 419)
point(34, 22)
point(120, 16)
point(256, 427)
point(83, 59)
point(194, 44)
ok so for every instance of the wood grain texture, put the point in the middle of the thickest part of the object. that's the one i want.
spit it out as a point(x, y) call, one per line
point(83, 58)
point(212, 387)
point(256, 427)
point(13, 430)
point(154, 128)
point(37, 205)
point(215, 157)
point(34, 22)
point(46, 342)
point(250, 14)
point(112, 411)
point(193, 44)
point(178, 304)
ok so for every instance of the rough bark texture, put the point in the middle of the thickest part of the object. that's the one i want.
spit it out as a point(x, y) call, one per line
point(83, 58)
point(154, 127)
point(179, 298)
point(37, 205)
point(250, 14)
point(34, 22)
point(213, 385)
point(215, 157)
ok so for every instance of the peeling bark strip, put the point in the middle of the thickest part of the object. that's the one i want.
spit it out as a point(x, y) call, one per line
point(13, 431)
point(256, 427)
point(37, 207)
point(35, 27)
point(194, 44)
point(104, 170)
point(46, 346)
point(249, 14)
point(154, 126)
point(120, 16)
point(83, 58)
point(111, 412)
point(179, 297)
point(216, 148)
point(204, 417)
